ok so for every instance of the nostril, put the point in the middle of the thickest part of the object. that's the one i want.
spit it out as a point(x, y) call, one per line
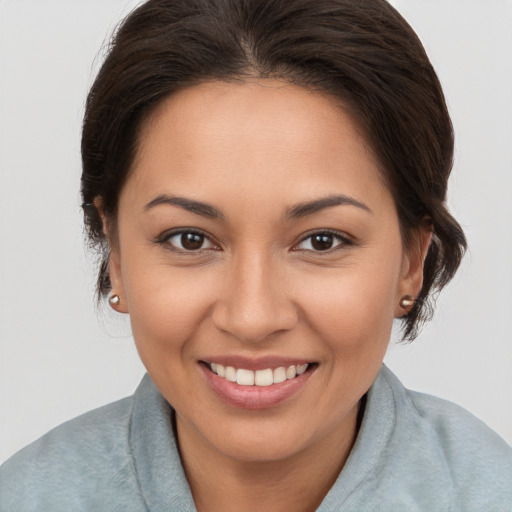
point(253, 319)
point(253, 326)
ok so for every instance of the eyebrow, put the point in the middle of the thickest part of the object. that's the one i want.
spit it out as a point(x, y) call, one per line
point(310, 207)
point(197, 207)
point(294, 212)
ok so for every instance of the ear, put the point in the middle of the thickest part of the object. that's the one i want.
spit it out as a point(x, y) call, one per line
point(116, 279)
point(114, 261)
point(411, 279)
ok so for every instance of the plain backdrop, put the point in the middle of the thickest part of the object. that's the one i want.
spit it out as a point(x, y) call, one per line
point(60, 356)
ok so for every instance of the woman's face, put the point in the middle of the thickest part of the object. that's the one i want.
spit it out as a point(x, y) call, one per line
point(254, 233)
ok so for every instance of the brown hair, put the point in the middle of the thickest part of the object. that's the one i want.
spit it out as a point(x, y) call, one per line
point(363, 54)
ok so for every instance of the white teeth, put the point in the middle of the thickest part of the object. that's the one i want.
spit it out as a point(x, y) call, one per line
point(279, 375)
point(301, 369)
point(265, 377)
point(245, 377)
point(291, 371)
point(230, 374)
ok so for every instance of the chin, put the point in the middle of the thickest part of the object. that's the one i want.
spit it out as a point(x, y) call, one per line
point(265, 447)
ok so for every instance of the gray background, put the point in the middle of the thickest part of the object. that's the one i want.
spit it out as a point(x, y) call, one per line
point(60, 357)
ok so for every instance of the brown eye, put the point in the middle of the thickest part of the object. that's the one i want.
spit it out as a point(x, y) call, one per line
point(189, 241)
point(192, 241)
point(321, 242)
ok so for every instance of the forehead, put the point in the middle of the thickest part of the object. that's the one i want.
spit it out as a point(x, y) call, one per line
point(243, 137)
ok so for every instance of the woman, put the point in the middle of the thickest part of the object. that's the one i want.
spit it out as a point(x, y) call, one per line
point(267, 183)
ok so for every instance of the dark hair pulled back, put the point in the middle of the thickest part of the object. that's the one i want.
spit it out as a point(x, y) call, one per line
point(364, 54)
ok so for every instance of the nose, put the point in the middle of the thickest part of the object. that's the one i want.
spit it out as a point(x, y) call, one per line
point(254, 301)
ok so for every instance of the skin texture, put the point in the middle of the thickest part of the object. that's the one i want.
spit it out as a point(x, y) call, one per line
point(257, 287)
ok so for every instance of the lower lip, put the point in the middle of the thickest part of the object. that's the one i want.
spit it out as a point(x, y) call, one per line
point(255, 397)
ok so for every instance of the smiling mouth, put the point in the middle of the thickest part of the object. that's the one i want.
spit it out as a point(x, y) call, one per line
point(263, 378)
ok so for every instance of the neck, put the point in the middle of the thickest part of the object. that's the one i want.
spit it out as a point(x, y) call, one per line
point(298, 482)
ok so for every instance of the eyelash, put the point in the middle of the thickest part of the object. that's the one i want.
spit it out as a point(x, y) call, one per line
point(164, 239)
point(343, 241)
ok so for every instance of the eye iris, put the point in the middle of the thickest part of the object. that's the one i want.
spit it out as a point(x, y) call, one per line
point(322, 242)
point(192, 241)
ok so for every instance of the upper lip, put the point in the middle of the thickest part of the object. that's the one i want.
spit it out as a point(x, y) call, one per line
point(260, 363)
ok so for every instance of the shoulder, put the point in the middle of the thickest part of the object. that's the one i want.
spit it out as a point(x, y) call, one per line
point(444, 437)
point(466, 442)
point(62, 466)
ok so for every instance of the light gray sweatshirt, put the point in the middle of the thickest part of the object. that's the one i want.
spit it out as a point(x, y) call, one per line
point(413, 452)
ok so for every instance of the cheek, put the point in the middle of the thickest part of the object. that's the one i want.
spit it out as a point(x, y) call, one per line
point(353, 307)
point(167, 306)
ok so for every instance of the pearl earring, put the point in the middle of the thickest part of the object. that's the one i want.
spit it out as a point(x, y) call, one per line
point(406, 302)
point(114, 300)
